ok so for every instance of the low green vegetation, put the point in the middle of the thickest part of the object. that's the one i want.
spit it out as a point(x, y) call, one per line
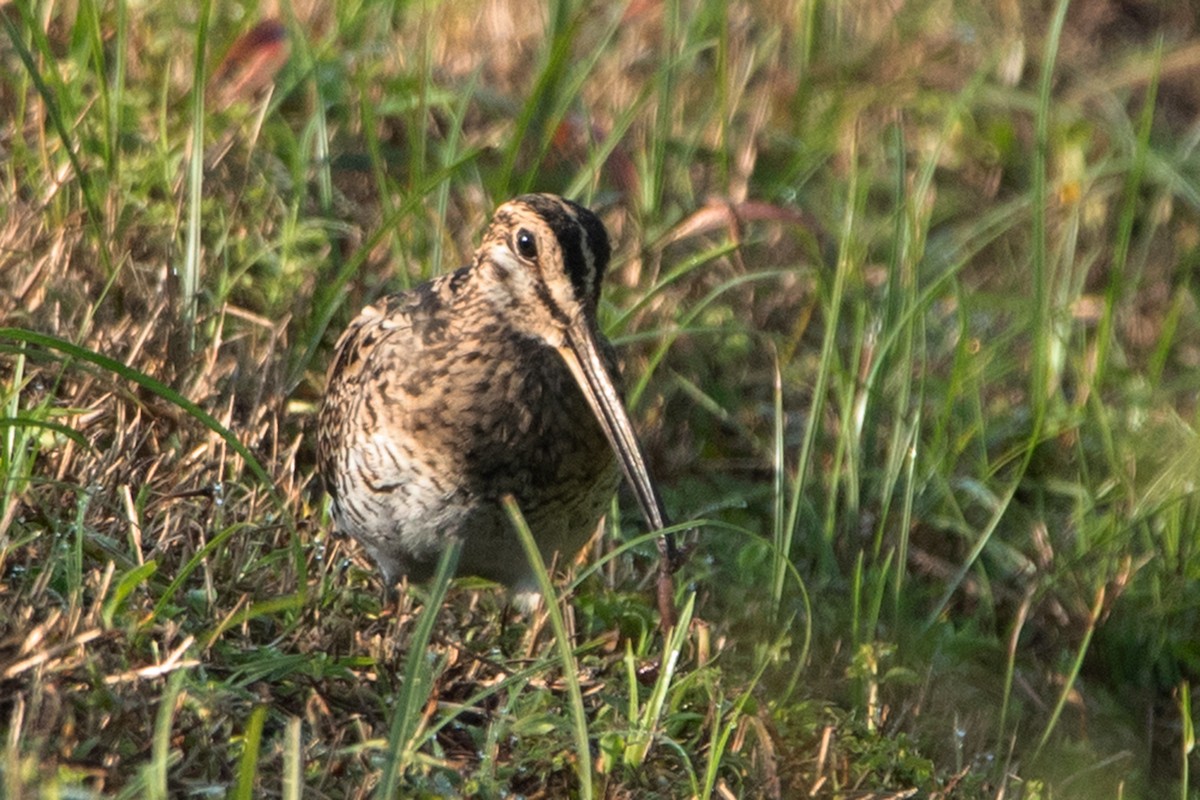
point(906, 295)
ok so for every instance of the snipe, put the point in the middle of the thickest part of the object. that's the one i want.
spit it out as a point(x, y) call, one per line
point(490, 381)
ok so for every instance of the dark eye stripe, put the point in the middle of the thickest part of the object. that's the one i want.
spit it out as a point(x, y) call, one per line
point(571, 240)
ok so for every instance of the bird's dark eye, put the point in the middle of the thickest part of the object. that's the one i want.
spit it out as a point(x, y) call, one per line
point(526, 244)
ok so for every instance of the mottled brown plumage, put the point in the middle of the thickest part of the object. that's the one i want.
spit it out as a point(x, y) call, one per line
point(490, 381)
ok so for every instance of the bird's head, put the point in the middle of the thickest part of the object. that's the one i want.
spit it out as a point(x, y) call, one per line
point(542, 261)
point(541, 264)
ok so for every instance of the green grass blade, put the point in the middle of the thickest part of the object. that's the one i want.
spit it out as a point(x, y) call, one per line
point(1187, 741)
point(1072, 676)
point(1127, 217)
point(263, 608)
point(248, 764)
point(418, 680)
point(540, 113)
point(825, 370)
point(189, 272)
point(1042, 321)
point(129, 581)
point(161, 753)
point(195, 562)
point(22, 421)
point(566, 655)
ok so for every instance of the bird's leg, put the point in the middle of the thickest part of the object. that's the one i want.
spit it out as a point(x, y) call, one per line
point(666, 597)
point(670, 558)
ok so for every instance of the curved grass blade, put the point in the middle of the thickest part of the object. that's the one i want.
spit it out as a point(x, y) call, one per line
point(570, 668)
point(418, 680)
point(162, 390)
point(25, 421)
point(130, 581)
point(251, 743)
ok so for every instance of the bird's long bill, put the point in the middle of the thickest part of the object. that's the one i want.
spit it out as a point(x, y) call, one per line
point(584, 360)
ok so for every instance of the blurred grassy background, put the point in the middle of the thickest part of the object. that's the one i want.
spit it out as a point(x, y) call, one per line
point(906, 294)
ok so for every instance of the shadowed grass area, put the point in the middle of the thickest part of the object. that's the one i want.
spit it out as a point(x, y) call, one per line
point(906, 296)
